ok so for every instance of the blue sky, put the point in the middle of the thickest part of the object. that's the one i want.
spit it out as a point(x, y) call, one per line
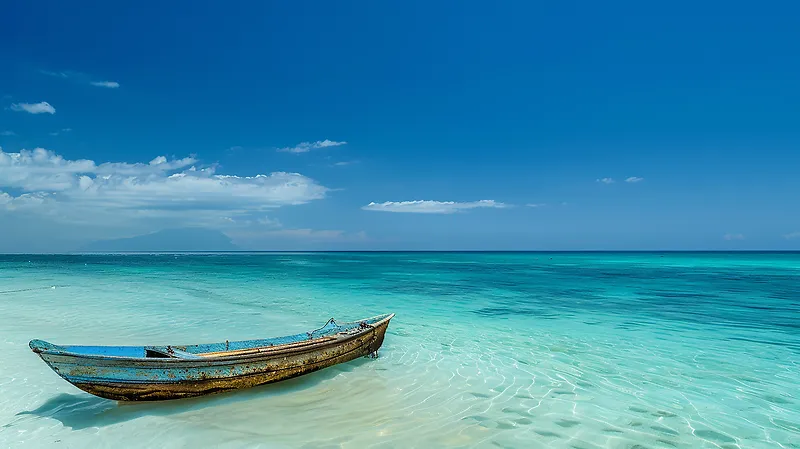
point(119, 120)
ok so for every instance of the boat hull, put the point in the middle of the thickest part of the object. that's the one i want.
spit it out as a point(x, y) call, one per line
point(165, 379)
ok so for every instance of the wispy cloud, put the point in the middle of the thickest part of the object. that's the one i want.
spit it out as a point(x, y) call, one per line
point(123, 194)
point(792, 235)
point(431, 207)
point(634, 179)
point(536, 204)
point(80, 78)
point(305, 147)
point(269, 222)
point(108, 84)
point(253, 223)
point(7, 133)
point(344, 163)
point(733, 236)
point(34, 108)
point(62, 131)
point(606, 180)
point(55, 74)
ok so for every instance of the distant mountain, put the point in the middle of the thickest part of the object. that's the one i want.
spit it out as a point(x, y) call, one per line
point(184, 239)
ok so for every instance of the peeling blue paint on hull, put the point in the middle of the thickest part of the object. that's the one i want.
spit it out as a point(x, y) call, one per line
point(171, 372)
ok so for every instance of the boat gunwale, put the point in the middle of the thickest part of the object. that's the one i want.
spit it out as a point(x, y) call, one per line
point(90, 381)
point(209, 360)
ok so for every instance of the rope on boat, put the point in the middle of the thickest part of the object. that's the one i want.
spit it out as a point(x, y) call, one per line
point(330, 321)
point(361, 326)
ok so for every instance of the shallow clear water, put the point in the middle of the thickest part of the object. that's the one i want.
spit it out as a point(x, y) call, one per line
point(487, 350)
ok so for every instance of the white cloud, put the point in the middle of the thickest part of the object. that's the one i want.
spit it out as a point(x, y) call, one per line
point(344, 163)
point(305, 147)
point(327, 143)
point(634, 179)
point(733, 237)
point(606, 180)
point(431, 207)
point(121, 194)
point(108, 84)
point(64, 130)
point(792, 235)
point(7, 133)
point(34, 108)
point(536, 204)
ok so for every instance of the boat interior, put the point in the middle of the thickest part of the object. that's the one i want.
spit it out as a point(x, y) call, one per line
point(329, 332)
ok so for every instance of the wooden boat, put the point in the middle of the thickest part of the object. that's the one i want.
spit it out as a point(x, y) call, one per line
point(151, 373)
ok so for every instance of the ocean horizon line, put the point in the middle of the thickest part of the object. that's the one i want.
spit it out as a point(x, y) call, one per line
point(462, 251)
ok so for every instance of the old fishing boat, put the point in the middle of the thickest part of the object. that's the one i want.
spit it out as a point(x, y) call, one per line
point(151, 373)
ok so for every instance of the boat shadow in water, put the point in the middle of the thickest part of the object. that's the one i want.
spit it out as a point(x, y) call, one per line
point(81, 411)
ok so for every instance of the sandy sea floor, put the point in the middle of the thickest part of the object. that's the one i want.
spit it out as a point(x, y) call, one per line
point(572, 351)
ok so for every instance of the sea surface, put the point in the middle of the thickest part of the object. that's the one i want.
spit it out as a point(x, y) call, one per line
point(488, 350)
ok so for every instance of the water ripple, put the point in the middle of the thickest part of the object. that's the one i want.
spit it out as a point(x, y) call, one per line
point(497, 350)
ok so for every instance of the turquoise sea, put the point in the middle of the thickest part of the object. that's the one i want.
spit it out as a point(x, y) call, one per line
point(488, 350)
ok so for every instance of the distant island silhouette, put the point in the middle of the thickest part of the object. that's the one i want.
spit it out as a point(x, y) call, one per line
point(179, 239)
